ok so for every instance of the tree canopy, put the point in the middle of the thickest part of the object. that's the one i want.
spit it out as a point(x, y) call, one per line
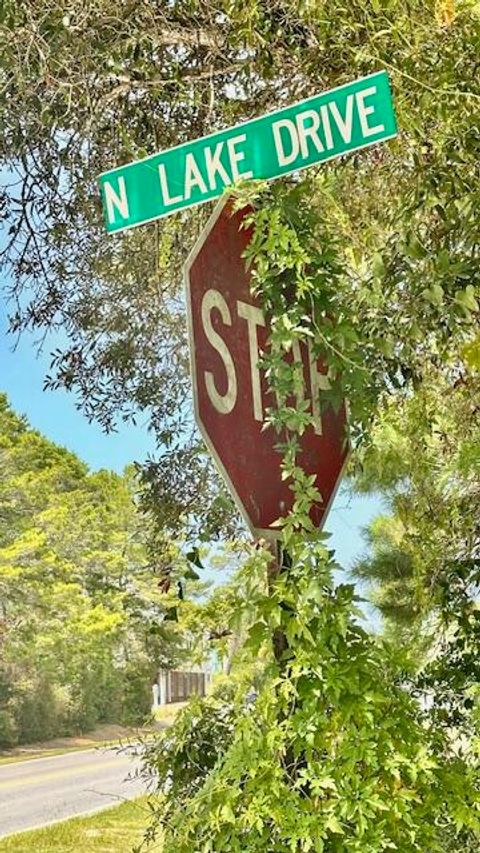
point(86, 88)
point(81, 614)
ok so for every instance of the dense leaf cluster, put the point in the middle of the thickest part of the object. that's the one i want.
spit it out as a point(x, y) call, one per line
point(424, 566)
point(334, 754)
point(81, 635)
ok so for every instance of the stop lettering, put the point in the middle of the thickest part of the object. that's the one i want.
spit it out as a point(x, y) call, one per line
point(228, 334)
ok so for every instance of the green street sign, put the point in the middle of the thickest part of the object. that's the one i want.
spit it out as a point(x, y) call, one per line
point(320, 128)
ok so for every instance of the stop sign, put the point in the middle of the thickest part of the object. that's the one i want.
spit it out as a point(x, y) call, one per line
point(228, 333)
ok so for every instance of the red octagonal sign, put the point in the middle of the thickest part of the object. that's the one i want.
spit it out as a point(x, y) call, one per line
point(227, 336)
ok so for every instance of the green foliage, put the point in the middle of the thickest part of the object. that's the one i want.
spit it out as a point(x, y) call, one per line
point(184, 755)
point(338, 754)
point(36, 709)
point(423, 568)
point(78, 600)
point(8, 730)
point(334, 755)
point(135, 690)
point(389, 569)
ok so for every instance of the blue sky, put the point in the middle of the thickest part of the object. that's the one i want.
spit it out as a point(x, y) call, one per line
point(54, 413)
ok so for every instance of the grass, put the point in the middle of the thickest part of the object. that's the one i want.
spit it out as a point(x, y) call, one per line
point(47, 753)
point(103, 736)
point(114, 830)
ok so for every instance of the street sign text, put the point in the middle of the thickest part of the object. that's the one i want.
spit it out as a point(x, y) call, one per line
point(320, 128)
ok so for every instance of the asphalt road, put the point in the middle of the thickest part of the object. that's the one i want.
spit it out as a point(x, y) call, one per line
point(45, 790)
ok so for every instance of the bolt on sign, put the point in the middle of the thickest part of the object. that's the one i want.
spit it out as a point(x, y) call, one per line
point(228, 332)
point(347, 118)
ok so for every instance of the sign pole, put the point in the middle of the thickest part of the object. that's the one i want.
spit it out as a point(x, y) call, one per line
point(278, 564)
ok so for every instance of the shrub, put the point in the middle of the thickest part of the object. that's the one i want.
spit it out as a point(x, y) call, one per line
point(8, 729)
point(333, 757)
point(136, 694)
point(182, 756)
point(35, 710)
